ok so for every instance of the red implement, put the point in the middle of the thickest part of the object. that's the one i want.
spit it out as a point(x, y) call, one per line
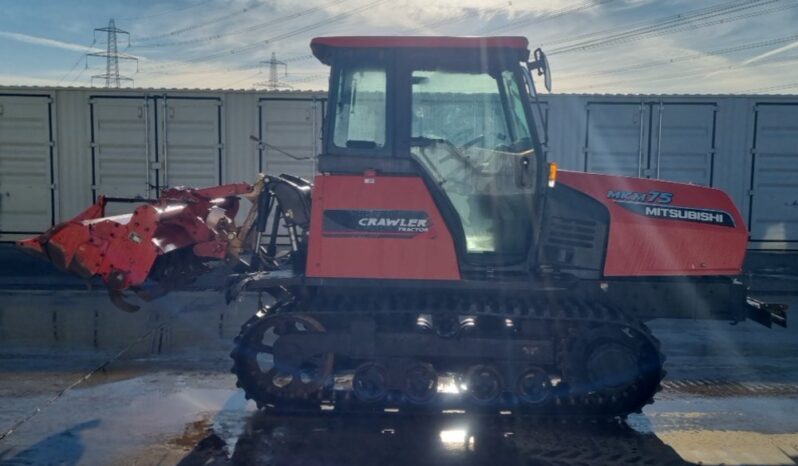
point(122, 249)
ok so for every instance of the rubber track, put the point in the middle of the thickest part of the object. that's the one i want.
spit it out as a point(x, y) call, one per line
point(582, 317)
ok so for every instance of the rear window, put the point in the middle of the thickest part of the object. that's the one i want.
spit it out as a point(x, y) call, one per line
point(360, 113)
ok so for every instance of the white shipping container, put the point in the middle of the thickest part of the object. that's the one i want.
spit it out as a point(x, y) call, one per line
point(290, 131)
point(774, 179)
point(682, 142)
point(133, 142)
point(121, 147)
point(616, 138)
point(26, 163)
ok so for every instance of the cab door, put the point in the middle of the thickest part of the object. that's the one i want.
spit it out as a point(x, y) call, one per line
point(469, 131)
point(372, 215)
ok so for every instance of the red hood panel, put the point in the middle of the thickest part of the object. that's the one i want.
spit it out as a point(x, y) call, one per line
point(665, 228)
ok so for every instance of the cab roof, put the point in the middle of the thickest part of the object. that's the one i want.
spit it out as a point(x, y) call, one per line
point(322, 46)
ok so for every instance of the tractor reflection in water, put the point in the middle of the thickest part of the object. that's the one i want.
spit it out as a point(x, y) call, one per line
point(429, 440)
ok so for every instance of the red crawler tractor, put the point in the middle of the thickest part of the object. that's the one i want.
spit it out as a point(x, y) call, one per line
point(438, 261)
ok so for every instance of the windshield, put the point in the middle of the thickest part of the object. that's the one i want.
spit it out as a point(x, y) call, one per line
point(470, 109)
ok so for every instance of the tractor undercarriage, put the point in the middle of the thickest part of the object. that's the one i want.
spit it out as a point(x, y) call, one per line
point(369, 352)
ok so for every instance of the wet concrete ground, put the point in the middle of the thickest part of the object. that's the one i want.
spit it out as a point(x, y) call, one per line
point(731, 397)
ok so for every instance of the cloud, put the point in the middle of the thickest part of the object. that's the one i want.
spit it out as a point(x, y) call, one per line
point(770, 53)
point(23, 80)
point(220, 43)
point(44, 41)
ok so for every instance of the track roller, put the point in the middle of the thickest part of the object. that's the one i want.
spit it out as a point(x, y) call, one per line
point(533, 386)
point(484, 384)
point(421, 383)
point(370, 382)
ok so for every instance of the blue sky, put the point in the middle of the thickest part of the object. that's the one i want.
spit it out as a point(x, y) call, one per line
point(625, 46)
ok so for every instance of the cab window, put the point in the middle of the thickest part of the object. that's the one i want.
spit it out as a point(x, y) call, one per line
point(360, 108)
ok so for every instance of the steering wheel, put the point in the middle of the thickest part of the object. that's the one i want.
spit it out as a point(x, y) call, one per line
point(454, 151)
point(453, 177)
point(472, 141)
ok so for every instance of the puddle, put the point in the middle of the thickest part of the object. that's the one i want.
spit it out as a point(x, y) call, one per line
point(194, 433)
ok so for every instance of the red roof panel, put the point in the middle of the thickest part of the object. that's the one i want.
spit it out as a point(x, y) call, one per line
point(321, 45)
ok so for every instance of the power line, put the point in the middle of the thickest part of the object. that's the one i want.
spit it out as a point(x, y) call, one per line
point(695, 56)
point(214, 37)
point(296, 58)
point(299, 58)
point(570, 37)
point(309, 77)
point(196, 26)
point(247, 78)
point(79, 75)
point(168, 12)
point(692, 20)
point(779, 87)
point(693, 27)
point(245, 48)
point(690, 74)
point(467, 13)
point(525, 21)
point(78, 62)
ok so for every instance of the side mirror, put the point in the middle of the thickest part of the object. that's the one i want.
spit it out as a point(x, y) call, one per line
point(541, 65)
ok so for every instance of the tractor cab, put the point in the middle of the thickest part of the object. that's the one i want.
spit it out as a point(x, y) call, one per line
point(452, 111)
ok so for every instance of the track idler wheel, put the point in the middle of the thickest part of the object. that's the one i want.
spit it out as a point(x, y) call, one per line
point(421, 383)
point(370, 382)
point(484, 384)
point(615, 369)
point(612, 365)
point(533, 386)
point(270, 376)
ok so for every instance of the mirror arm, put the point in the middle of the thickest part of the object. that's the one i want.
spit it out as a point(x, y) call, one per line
point(538, 66)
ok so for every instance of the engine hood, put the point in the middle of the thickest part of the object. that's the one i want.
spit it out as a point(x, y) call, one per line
point(665, 228)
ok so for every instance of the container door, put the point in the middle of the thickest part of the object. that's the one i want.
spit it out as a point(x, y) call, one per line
point(189, 141)
point(125, 164)
point(26, 164)
point(774, 181)
point(682, 143)
point(290, 136)
point(616, 135)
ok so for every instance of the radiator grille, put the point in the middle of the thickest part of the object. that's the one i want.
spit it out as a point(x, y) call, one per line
point(571, 232)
